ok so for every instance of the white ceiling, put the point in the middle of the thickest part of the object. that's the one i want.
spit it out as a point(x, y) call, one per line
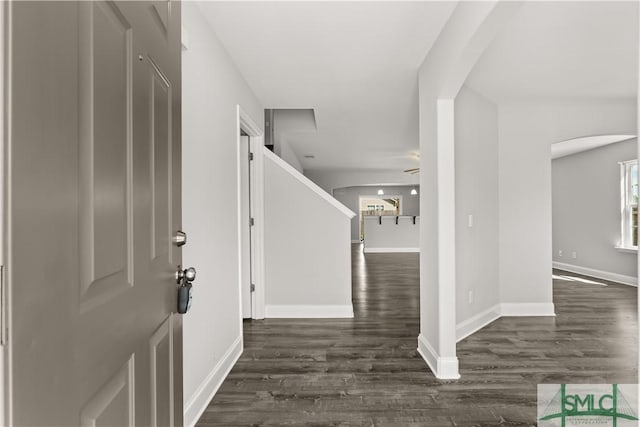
point(354, 63)
point(562, 50)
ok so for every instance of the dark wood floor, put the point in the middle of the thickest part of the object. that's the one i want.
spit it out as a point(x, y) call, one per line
point(366, 371)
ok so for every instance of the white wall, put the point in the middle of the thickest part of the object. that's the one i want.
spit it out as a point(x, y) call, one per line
point(586, 209)
point(525, 135)
point(503, 179)
point(350, 198)
point(212, 88)
point(476, 164)
point(469, 30)
point(307, 246)
point(384, 234)
point(287, 125)
point(332, 179)
point(286, 153)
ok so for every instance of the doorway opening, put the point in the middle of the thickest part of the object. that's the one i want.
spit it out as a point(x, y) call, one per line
point(377, 206)
point(595, 227)
point(247, 285)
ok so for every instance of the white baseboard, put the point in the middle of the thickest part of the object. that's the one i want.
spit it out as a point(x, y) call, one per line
point(477, 322)
point(482, 319)
point(389, 250)
point(309, 311)
point(356, 241)
point(444, 368)
point(196, 405)
point(605, 275)
point(527, 309)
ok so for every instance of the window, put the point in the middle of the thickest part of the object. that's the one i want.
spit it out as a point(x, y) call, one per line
point(629, 203)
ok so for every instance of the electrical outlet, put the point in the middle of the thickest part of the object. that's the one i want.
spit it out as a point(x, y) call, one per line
point(574, 255)
point(560, 252)
point(470, 297)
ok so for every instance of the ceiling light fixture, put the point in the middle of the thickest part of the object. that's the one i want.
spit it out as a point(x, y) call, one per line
point(414, 191)
point(380, 192)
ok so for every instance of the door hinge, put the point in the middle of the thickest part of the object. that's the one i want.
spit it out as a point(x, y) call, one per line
point(252, 287)
point(250, 156)
point(251, 222)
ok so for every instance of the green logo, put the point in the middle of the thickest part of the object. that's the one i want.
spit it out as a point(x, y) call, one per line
point(585, 404)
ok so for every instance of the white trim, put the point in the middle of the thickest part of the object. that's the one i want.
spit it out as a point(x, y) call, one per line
point(240, 226)
point(389, 250)
point(446, 234)
point(446, 368)
point(534, 309)
point(477, 322)
point(257, 209)
point(196, 405)
point(309, 311)
point(626, 250)
point(484, 318)
point(308, 183)
point(356, 241)
point(599, 274)
point(256, 141)
point(245, 234)
point(247, 124)
point(428, 353)
point(184, 37)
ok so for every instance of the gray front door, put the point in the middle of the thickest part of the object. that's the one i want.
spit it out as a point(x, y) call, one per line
point(92, 201)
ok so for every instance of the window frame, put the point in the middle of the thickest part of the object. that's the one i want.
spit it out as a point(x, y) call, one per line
point(627, 204)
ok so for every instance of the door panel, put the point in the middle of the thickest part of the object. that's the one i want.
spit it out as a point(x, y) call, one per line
point(160, 102)
point(93, 192)
point(113, 404)
point(105, 147)
point(161, 370)
point(245, 228)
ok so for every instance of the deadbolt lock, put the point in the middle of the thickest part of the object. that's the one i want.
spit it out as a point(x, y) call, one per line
point(180, 239)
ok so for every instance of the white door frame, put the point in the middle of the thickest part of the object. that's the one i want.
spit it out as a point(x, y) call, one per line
point(256, 144)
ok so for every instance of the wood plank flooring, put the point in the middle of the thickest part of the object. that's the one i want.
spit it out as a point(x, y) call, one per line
point(366, 371)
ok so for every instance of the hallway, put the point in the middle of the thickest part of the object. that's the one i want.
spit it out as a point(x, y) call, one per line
point(366, 371)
